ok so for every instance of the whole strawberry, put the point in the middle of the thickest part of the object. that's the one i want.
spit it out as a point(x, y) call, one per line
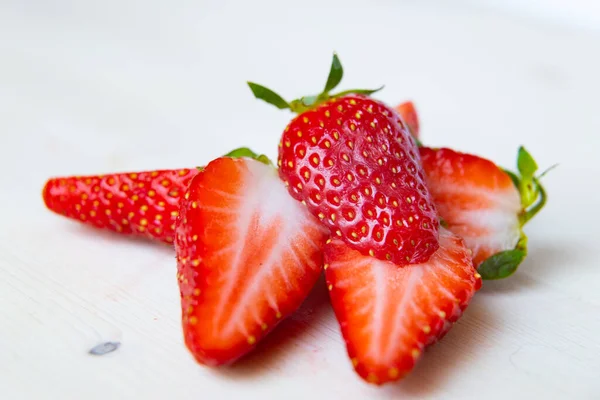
point(136, 203)
point(143, 204)
point(352, 161)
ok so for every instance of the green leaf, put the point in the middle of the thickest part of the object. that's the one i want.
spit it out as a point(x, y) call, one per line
point(501, 265)
point(241, 152)
point(267, 95)
point(513, 177)
point(309, 100)
point(526, 164)
point(537, 204)
point(358, 91)
point(550, 168)
point(335, 74)
point(246, 152)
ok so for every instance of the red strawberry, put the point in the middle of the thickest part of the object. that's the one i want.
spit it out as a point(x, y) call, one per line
point(485, 205)
point(409, 114)
point(354, 164)
point(137, 203)
point(248, 255)
point(140, 203)
point(389, 314)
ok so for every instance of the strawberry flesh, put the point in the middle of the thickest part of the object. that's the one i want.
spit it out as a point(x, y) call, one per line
point(142, 204)
point(354, 164)
point(476, 199)
point(248, 255)
point(388, 315)
point(408, 112)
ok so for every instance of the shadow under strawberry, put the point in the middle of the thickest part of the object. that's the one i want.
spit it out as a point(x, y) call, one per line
point(545, 259)
point(97, 235)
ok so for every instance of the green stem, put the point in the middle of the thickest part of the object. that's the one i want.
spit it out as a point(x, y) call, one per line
point(532, 211)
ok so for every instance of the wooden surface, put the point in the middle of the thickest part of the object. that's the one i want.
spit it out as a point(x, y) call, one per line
point(90, 87)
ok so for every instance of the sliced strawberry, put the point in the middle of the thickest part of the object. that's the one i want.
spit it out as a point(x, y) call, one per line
point(389, 314)
point(248, 255)
point(485, 205)
point(408, 112)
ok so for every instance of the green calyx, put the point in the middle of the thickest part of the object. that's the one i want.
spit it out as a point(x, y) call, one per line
point(246, 152)
point(533, 199)
point(242, 152)
point(533, 194)
point(298, 106)
point(504, 264)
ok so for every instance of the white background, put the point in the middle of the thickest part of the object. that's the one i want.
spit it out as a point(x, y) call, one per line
point(91, 87)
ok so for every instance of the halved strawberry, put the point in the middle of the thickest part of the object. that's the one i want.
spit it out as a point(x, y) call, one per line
point(408, 112)
point(248, 255)
point(485, 205)
point(389, 314)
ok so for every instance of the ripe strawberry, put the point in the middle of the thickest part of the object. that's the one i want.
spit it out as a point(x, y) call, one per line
point(138, 203)
point(387, 314)
point(354, 164)
point(248, 255)
point(143, 204)
point(408, 112)
point(485, 205)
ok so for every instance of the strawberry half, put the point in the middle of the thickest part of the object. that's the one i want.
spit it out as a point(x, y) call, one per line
point(136, 203)
point(353, 162)
point(248, 255)
point(485, 205)
point(387, 314)
point(408, 112)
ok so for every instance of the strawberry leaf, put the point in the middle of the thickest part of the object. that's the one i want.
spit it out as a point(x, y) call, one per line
point(513, 177)
point(298, 106)
point(538, 204)
point(501, 265)
point(335, 74)
point(533, 195)
point(309, 100)
point(550, 168)
point(526, 164)
point(366, 92)
point(267, 95)
point(246, 152)
point(527, 168)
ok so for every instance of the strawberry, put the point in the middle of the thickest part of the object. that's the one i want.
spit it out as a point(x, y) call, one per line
point(485, 205)
point(408, 112)
point(144, 204)
point(389, 314)
point(248, 255)
point(353, 162)
point(137, 203)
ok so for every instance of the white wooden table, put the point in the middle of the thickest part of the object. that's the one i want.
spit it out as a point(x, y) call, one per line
point(90, 87)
